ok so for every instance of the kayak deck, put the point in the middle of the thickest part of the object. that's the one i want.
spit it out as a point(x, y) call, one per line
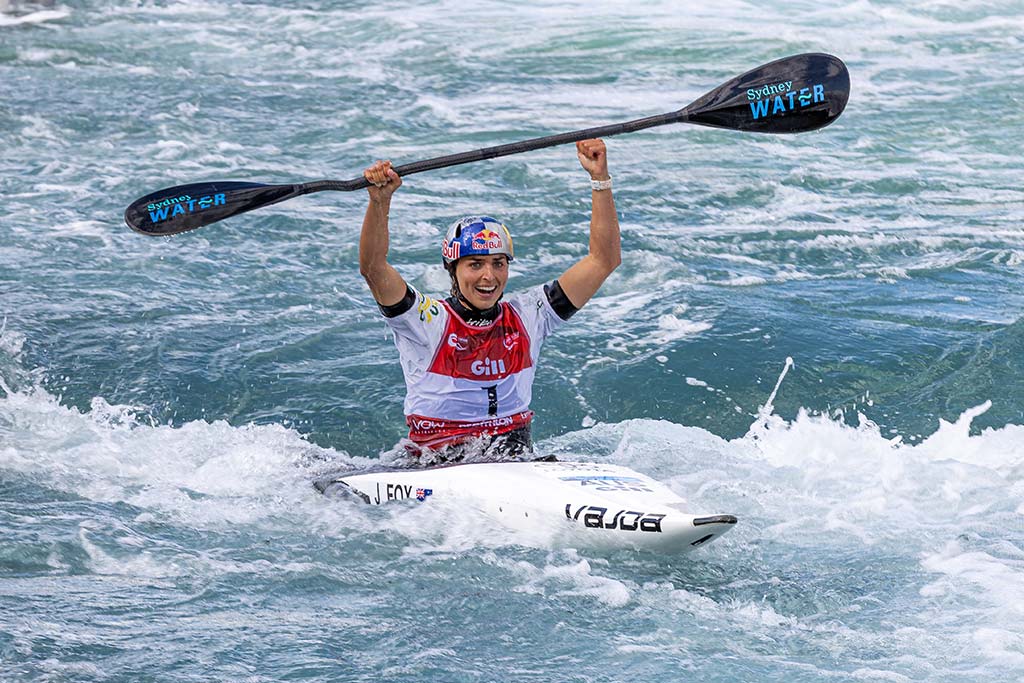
point(591, 504)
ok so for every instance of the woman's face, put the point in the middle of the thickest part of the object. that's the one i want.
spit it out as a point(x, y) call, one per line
point(482, 279)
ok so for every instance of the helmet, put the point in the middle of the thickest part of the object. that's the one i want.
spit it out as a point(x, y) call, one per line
point(475, 236)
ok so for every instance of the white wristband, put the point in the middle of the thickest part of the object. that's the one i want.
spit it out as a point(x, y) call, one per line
point(598, 185)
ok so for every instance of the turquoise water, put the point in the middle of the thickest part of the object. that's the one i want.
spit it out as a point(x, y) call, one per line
point(166, 402)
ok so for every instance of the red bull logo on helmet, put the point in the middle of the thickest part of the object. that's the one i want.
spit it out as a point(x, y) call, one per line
point(451, 250)
point(487, 239)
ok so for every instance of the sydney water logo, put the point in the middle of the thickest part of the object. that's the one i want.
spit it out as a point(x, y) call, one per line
point(178, 206)
point(781, 98)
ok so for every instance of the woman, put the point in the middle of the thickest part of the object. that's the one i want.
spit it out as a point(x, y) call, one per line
point(469, 360)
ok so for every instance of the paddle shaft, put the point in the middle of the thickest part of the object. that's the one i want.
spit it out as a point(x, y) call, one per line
point(500, 151)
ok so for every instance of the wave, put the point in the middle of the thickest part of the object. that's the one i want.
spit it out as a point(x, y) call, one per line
point(815, 472)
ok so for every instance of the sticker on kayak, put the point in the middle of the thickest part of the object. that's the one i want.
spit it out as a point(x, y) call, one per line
point(596, 517)
point(610, 483)
point(399, 492)
point(572, 466)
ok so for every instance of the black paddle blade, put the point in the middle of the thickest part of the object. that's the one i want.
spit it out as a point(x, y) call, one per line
point(790, 95)
point(187, 207)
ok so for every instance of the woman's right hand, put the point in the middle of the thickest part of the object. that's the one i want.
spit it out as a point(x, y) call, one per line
point(383, 181)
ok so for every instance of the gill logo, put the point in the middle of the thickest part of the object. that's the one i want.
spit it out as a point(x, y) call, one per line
point(488, 367)
point(784, 101)
point(427, 308)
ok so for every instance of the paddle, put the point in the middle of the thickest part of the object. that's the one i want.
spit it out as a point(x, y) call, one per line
point(791, 95)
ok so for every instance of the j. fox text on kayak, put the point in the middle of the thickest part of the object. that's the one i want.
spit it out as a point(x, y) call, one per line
point(177, 206)
point(781, 98)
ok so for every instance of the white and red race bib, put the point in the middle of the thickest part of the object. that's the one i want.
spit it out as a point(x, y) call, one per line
point(463, 380)
point(483, 353)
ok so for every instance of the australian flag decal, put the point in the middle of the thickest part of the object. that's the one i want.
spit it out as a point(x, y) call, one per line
point(421, 494)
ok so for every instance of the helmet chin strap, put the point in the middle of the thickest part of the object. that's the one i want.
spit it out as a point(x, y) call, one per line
point(463, 300)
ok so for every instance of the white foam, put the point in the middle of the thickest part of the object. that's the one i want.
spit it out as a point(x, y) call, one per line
point(39, 17)
point(999, 581)
point(39, 128)
point(11, 341)
point(200, 473)
point(671, 328)
point(744, 281)
point(1004, 647)
point(565, 574)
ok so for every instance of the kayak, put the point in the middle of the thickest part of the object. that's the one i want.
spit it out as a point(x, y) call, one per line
point(581, 503)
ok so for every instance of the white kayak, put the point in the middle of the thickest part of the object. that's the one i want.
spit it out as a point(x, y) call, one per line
point(593, 504)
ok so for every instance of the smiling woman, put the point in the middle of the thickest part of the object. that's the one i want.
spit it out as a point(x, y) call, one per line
point(469, 364)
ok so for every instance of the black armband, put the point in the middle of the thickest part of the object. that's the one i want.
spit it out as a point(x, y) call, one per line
point(559, 301)
point(395, 310)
